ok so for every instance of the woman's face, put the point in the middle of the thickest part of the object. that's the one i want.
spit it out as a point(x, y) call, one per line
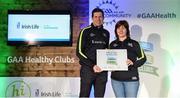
point(121, 31)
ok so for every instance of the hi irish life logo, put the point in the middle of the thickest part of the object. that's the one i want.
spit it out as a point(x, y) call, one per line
point(18, 89)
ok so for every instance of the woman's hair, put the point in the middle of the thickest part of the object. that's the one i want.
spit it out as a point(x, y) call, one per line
point(122, 23)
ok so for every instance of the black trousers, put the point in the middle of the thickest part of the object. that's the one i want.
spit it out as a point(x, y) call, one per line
point(88, 79)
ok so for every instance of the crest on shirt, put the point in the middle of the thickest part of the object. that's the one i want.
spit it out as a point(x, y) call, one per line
point(104, 35)
point(130, 44)
point(115, 45)
point(92, 34)
point(134, 78)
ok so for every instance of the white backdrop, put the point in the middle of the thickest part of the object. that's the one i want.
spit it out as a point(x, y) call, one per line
point(155, 24)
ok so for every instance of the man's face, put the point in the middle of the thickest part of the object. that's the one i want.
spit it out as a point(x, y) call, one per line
point(97, 19)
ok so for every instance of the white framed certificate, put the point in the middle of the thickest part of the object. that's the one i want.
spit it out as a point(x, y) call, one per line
point(112, 59)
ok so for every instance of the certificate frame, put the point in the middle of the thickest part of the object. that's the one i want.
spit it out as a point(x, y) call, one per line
point(112, 59)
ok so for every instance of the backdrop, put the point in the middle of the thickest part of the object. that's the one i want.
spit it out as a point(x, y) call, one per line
point(155, 24)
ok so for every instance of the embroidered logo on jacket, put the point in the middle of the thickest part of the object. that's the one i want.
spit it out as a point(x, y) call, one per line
point(92, 34)
point(104, 35)
point(115, 45)
point(134, 78)
point(98, 42)
point(130, 44)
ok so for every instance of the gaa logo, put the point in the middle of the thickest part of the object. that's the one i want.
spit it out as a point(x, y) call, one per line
point(18, 89)
point(112, 11)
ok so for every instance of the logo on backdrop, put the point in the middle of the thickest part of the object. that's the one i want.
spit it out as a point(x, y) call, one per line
point(27, 26)
point(18, 89)
point(40, 59)
point(167, 15)
point(19, 25)
point(39, 93)
point(112, 11)
point(147, 68)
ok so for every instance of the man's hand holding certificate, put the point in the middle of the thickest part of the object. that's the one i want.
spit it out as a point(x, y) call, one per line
point(112, 59)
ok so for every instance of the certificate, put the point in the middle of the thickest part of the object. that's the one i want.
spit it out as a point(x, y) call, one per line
point(112, 59)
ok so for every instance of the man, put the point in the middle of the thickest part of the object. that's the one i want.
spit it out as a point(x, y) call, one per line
point(90, 39)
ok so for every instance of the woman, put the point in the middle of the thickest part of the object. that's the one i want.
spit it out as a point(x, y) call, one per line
point(126, 83)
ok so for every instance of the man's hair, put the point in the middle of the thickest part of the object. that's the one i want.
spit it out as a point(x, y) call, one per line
point(97, 10)
point(122, 23)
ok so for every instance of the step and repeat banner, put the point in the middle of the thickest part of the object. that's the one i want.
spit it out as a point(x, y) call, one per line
point(155, 24)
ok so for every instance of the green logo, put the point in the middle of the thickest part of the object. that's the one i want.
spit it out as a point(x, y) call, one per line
point(149, 69)
point(18, 89)
point(111, 58)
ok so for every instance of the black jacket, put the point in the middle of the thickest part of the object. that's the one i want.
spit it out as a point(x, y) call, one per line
point(90, 39)
point(135, 54)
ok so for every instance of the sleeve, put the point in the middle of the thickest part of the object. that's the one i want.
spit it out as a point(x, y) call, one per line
point(80, 52)
point(141, 57)
point(110, 45)
point(108, 38)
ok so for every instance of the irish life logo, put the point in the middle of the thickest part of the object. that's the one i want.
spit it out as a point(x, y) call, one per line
point(18, 89)
point(27, 26)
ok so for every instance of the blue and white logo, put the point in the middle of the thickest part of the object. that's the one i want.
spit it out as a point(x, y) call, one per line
point(27, 26)
point(18, 25)
point(112, 11)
